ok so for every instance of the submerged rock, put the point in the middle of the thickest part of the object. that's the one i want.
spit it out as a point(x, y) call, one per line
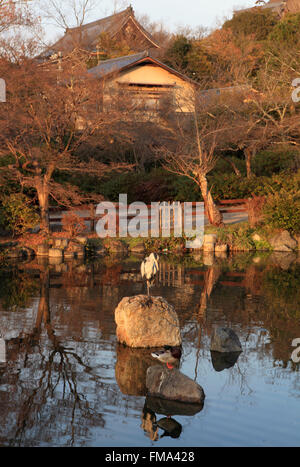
point(225, 340)
point(144, 321)
point(173, 385)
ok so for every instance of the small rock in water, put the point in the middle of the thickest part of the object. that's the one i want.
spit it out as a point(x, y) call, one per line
point(225, 340)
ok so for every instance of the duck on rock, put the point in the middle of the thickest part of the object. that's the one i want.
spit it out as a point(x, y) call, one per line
point(169, 355)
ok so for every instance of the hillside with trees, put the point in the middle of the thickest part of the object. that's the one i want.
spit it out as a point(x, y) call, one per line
point(247, 141)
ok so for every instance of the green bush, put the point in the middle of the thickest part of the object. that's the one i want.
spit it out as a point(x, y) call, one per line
point(282, 210)
point(255, 22)
point(286, 31)
point(270, 162)
point(237, 237)
point(284, 285)
point(186, 190)
point(17, 214)
point(158, 185)
point(229, 186)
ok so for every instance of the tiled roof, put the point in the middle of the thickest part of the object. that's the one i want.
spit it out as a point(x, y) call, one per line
point(88, 34)
point(114, 65)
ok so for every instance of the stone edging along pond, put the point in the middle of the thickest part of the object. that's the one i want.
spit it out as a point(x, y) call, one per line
point(81, 246)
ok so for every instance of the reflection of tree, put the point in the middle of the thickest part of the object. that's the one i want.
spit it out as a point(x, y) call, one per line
point(211, 277)
point(237, 376)
point(16, 289)
point(54, 369)
point(112, 275)
point(54, 391)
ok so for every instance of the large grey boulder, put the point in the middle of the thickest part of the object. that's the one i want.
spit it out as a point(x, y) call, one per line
point(283, 241)
point(144, 321)
point(225, 340)
point(173, 385)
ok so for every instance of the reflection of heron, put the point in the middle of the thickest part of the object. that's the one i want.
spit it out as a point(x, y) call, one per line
point(149, 423)
point(2, 350)
point(168, 355)
point(149, 268)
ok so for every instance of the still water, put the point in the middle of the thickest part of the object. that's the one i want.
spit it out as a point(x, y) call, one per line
point(64, 380)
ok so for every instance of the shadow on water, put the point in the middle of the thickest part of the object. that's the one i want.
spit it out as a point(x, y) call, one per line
point(65, 381)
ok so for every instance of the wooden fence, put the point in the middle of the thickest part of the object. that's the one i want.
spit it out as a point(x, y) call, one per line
point(90, 218)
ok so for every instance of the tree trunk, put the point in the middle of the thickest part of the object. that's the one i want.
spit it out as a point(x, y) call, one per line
point(248, 156)
point(43, 314)
point(214, 215)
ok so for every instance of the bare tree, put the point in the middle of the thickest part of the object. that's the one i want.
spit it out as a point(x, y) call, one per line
point(20, 29)
point(13, 13)
point(194, 154)
point(68, 13)
point(44, 124)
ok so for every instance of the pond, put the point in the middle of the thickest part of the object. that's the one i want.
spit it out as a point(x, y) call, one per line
point(65, 381)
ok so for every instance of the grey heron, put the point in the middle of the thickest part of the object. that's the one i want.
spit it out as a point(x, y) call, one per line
point(149, 269)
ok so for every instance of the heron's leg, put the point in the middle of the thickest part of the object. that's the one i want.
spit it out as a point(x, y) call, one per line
point(148, 288)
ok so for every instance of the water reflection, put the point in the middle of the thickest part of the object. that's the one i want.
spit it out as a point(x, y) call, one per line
point(131, 369)
point(155, 406)
point(151, 425)
point(65, 381)
point(225, 360)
